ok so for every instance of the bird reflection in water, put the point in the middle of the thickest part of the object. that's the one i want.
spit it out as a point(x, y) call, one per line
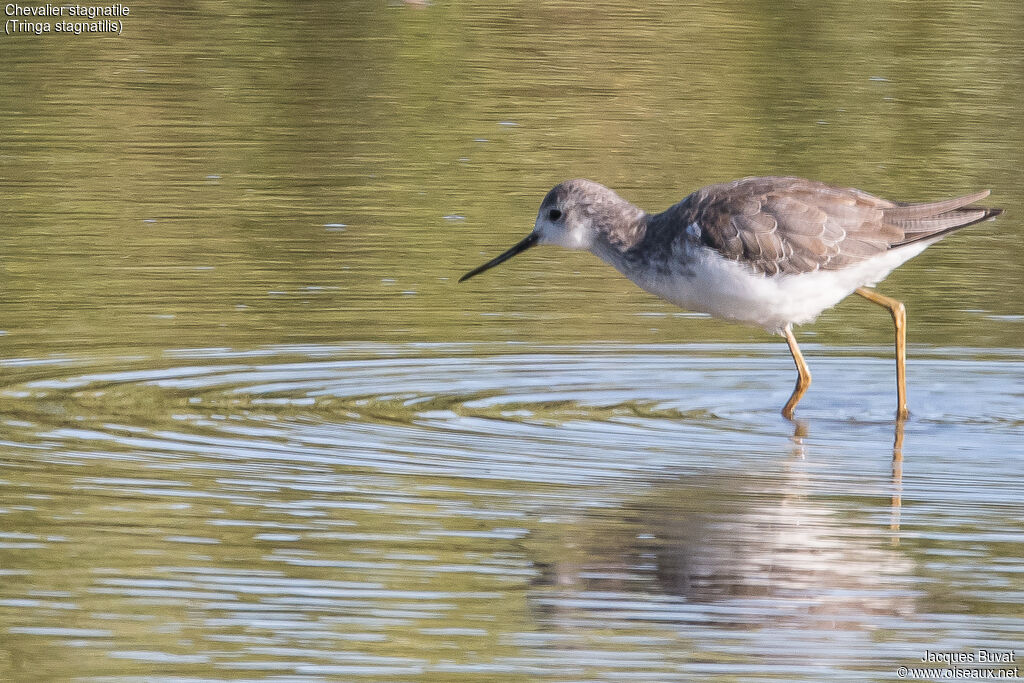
point(783, 534)
point(801, 430)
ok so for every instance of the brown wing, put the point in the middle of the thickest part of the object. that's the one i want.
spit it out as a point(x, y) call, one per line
point(792, 225)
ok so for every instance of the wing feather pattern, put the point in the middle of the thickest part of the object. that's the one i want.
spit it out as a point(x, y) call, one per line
point(792, 225)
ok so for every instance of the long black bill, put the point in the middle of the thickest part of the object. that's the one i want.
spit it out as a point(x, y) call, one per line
point(525, 244)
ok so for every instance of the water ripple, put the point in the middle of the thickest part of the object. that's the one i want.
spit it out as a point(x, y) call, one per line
point(611, 511)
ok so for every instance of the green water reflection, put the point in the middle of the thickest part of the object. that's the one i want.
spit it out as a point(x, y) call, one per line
point(306, 181)
point(237, 176)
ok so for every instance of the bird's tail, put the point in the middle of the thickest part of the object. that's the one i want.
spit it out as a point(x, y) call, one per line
point(935, 219)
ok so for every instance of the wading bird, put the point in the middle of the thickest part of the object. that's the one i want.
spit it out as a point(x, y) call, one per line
point(772, 252)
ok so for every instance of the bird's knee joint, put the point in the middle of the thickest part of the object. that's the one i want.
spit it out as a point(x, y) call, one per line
point(899, 312)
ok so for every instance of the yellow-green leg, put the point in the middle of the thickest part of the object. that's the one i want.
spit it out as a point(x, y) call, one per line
point(803, 379)
point(899, 319)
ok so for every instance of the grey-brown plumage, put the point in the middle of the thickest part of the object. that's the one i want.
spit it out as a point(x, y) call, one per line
point(791, 225)
point(772, 252)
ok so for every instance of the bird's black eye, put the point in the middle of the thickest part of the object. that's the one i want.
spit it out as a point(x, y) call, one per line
point(554, 214)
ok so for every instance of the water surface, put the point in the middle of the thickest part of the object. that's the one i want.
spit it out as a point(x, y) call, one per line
point(251, 428)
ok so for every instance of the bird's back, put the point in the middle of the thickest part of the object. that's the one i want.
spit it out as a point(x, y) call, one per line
point(781, 225)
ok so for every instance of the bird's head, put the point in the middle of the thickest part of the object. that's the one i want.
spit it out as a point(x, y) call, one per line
point(581, 215)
